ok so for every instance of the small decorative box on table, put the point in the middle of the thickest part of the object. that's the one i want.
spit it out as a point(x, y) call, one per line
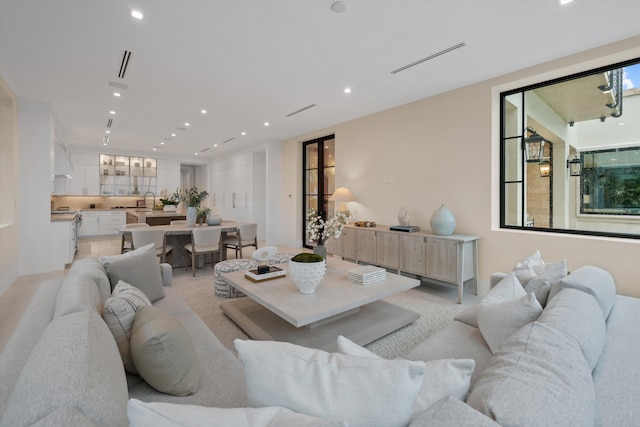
point(272, 273)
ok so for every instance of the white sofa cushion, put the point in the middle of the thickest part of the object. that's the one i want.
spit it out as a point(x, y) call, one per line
point(78, 293)
point(362, 391)
point(452, 412)
point(442, 378)
point(537, 378)
point(74, 364)
point(592, 280)
point(157, 414)
point(119, 314)
point(499, 320)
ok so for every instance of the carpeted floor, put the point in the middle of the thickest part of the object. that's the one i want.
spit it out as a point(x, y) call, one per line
point(200, 294)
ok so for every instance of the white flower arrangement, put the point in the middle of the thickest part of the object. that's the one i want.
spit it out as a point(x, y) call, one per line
point(320, 230)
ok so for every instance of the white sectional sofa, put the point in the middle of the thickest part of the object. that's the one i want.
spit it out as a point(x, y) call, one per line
point(576, 364)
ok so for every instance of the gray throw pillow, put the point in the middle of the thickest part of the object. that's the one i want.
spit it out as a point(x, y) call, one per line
point(141, 271)
point(163, 352)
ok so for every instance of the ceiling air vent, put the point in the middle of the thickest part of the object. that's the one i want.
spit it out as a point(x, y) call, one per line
point(125, 62)
point(435, 55)
point(109, 123)
point(181, 128)
point(301, 110)
point(205, 149)
point(228, 140)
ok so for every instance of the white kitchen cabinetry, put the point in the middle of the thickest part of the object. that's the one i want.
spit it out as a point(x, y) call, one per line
point(90, 226)
point(100, 223)
point(62, 244)
point(85, 179)
point(448, 259)
point(111, 222)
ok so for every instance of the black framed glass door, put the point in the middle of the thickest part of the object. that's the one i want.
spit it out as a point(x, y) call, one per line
point(318, 178)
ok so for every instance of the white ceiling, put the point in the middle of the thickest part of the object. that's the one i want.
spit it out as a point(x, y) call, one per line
point(251, 61)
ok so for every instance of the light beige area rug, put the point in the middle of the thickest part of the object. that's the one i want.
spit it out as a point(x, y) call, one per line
point(199, 293)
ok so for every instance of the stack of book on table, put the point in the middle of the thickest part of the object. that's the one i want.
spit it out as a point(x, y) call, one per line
point(366, 275)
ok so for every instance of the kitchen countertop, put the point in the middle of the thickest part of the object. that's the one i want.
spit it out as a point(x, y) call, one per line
point(156, 213)
point(58, 217)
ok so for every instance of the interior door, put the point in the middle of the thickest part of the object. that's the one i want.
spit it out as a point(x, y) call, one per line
point(318, 177)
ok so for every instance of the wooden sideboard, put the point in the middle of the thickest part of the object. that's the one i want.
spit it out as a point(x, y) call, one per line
point(446, 259)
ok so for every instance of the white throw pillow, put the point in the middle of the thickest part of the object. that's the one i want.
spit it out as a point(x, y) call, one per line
point(499, 320)
point(359, 390)
point(508, 288)
point(552, 271)
point(157, 414)
point(538, 277)
point(442, 378)
point(119, 314)
point(141, 271)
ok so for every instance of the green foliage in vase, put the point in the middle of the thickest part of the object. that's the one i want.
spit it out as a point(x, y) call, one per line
point(191, 197)
point(307, 257)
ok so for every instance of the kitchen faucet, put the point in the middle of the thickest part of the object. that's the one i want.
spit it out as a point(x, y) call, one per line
point(154, 198)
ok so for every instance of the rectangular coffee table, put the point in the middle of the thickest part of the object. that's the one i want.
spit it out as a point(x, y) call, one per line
point(276, 310)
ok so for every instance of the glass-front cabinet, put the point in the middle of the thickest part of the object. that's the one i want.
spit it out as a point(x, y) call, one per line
point(126, 175)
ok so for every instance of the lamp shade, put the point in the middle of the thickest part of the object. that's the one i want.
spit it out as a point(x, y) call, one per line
point(342, 194)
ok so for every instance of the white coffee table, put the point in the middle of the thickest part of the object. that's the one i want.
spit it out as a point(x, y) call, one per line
point(276, 310)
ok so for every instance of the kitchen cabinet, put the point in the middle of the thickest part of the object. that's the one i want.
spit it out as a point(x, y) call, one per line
point(447, 259)
point(84, 181)
point(89, 225)
point(62, 244)
point(124, 175)
point(99, 223)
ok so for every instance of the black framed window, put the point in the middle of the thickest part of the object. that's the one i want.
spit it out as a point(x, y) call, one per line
point(593, 116)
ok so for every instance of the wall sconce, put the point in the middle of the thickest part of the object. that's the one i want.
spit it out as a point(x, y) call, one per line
point(574, 164)
point(342, 195)
point(545, 167)
point(533, 147)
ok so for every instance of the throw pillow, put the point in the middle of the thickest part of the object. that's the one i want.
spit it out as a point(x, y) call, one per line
point(142, 271)
point(119, 314)
point(552, 271)
point(499, 320)
point(538, 277)
point(163, 352)
point(508, 288)
point(442, 378)
point(359, 390)
point(159, 414)
point(105, 259)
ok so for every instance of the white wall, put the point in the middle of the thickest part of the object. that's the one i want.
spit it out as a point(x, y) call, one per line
point(445, 149)
point(9, 219)
point(35, 148)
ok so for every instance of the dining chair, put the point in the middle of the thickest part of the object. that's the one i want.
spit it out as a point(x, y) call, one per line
point(126, 245)
point(203, 241)
point(178, 222)
point(143, 237)
point(246, 235)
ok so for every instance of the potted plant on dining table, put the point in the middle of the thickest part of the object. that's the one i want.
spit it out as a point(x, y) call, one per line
point(192, 198)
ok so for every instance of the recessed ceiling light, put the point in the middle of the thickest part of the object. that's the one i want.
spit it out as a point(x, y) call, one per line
point(563, 2)
point(243, 133)
point(116, 94)
point(112, 112)
point(107, 131)
point(173, 134)
point(104, 143)
point(620, 124)
point(136, 14)
point(203, 111)
point(347, 90)
point(187, 124)
point(215, 145)
point(155, 149)
point(195, 154)
point(266, 123)
point(162, 143)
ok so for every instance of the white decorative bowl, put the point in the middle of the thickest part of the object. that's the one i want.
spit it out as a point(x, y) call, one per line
point(307, 275)
point(214, 219)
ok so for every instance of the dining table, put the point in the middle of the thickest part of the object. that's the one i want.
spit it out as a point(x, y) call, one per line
point(179, 235)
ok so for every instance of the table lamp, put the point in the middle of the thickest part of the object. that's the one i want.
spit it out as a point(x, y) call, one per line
point(342, 195)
